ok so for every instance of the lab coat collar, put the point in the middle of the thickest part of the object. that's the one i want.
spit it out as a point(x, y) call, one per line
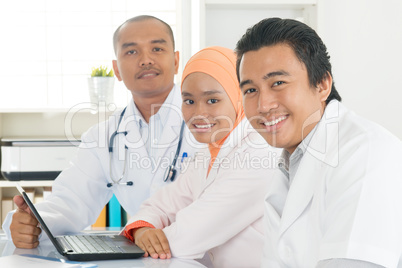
point(308, 174)
point(171, 107)
point(231, 143)
point(171, 115)
point(130, 116)
point(286, 158)
point(133, 115)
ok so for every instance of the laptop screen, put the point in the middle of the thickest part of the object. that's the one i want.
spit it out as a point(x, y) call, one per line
point(39, 218)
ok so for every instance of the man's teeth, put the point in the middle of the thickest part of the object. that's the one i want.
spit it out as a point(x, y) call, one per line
point(204, 126)
point(276, 121)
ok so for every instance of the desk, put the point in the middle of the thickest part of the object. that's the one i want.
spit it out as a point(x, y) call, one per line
point(47, 249)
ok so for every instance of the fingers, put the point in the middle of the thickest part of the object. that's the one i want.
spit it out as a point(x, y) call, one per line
point(20, 202)
point(22, 240)
point(142, 246)
point(24, 244)
point(162, 245)
point(154, 243)
point(24, 230)
point(21, 216)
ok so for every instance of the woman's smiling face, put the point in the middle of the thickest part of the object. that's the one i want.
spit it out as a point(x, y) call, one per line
point(207, 108)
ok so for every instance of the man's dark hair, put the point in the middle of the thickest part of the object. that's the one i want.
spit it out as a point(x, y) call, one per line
point(304, 41)
point(141, 18)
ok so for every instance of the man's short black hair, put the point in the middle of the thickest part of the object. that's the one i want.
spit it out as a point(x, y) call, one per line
point(141, 18)
point(304, 41)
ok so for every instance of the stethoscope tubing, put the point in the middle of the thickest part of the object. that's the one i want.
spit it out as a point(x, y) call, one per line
point(171, 171)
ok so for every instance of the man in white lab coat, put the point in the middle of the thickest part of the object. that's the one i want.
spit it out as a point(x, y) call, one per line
point(338, 201)
point(126, 155)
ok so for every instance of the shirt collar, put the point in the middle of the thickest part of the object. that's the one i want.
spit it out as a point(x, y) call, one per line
point(297, 155)
point(162, 115)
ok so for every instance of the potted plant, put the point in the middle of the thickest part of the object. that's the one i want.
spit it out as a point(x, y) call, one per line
point(100, 85)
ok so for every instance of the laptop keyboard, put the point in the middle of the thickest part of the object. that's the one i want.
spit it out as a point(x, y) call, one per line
point(92, 244)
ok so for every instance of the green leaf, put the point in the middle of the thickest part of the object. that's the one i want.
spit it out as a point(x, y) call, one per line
point(102, 71)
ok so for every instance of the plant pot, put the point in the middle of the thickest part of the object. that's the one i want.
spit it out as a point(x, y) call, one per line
point(101, 90)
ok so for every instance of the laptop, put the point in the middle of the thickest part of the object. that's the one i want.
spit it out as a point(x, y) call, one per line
point(88, 247)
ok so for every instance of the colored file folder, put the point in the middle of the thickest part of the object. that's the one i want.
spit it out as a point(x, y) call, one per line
point(114, 212)
point(101, 221)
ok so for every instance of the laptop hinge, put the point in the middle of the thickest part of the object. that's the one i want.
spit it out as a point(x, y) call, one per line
point(65, 245)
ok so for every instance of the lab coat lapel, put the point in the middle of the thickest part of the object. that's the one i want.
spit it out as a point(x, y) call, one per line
point(215, 168)
point(224, 156)
point(309, 173)
point(133, 139)
point(301, 191)
point(170, 135)
point(169, 138)
point(211, 175)
point(275, 200)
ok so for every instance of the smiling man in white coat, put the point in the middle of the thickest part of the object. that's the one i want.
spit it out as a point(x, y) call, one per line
point(338, 201)
point(126, 155)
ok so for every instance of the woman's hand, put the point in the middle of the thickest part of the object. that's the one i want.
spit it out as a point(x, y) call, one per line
point(153, 242)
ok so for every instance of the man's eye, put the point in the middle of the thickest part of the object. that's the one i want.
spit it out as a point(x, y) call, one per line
point(250, 90)
point(130, 52)
point(278, 83)
point(157, 49)
point(188, 101)
point(212, 101)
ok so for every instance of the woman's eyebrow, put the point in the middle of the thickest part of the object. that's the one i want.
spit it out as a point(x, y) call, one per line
point(205, 93)
point(212, 92)
point(186, 94)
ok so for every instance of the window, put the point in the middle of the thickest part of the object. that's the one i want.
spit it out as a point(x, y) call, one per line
point(49, 47)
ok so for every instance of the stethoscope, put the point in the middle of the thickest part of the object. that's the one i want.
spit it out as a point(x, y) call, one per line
point(170, 172)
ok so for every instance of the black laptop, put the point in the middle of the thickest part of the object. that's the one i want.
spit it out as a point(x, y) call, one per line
point(88, 247)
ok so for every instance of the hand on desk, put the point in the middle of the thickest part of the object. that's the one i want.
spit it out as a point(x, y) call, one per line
point(24, 226)
point(153, 242)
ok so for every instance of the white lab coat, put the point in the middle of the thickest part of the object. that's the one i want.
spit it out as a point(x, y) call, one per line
point(80, 192)
point(345, 200)
point(221, 214)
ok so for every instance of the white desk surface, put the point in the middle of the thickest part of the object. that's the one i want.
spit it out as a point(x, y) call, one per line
point(47, 249)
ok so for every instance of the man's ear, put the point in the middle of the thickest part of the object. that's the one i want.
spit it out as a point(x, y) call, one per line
point(325, 87)
point(116, 70)
point(176, 61)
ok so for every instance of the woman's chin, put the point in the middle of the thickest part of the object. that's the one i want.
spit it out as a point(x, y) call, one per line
point(206, 140)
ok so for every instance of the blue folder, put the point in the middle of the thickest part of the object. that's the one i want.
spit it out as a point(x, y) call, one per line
point(114, 212)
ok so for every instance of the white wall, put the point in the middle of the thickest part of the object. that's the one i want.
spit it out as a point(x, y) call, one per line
point(364, 39)
point(228, 28)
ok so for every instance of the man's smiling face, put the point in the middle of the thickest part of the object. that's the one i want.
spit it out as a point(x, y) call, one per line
point(146, 60)
point(278, 99)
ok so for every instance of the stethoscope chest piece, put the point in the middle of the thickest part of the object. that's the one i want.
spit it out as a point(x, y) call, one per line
point(170, 173)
